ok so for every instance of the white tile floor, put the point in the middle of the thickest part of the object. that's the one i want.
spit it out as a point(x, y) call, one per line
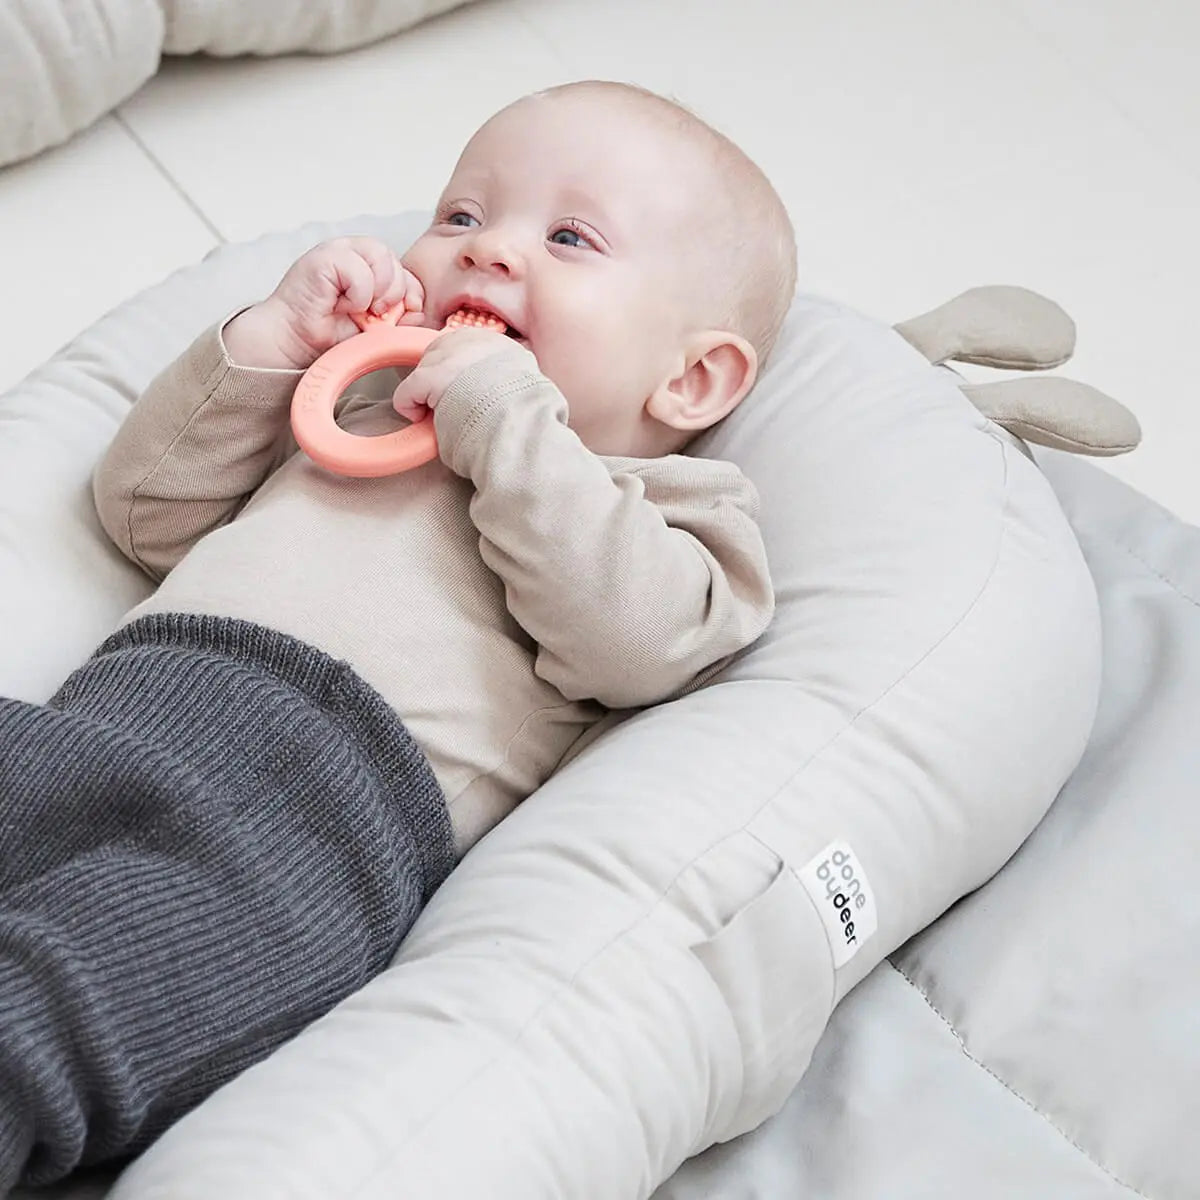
point(922, 148)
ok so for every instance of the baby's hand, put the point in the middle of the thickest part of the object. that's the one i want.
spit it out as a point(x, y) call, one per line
point(309, 311)
point(445, 360)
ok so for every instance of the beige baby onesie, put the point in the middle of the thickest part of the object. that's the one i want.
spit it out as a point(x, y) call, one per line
point(501, 600)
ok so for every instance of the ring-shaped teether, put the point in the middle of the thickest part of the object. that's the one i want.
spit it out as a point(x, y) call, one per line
point(382, 343)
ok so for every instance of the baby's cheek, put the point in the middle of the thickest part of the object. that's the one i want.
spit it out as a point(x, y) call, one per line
point(559, 369)
point(418, 259)
point(586, 403)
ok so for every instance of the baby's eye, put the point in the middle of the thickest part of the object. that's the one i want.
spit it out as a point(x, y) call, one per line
point(572, 235)
point(463, 219)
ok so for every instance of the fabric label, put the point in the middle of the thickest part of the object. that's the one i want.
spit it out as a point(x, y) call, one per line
point(838, 886)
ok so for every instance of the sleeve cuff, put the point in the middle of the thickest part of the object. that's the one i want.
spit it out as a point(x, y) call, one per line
point(473, 406)
point(225, 382)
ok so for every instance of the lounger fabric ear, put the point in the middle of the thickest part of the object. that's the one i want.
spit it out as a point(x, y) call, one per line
point(639, 962)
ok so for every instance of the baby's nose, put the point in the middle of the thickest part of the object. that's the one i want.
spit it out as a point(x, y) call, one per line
point(490, 250)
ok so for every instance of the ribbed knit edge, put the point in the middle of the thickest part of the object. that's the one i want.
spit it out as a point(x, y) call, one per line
point(333, 686)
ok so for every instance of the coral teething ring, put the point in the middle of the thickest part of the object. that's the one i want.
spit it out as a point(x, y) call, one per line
point(382, 343)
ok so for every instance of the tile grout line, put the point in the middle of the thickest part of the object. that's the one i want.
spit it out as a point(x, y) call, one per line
point(1088, 78)
point(170, 179)
point(540, 35)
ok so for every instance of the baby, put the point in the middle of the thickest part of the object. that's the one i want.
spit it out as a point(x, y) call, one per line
point(226, 821)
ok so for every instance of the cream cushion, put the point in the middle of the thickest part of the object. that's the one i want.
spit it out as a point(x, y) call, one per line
point(640, 961)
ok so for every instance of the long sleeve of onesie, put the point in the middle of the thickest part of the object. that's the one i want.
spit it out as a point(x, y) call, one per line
point(635, 577)
point(198, 442)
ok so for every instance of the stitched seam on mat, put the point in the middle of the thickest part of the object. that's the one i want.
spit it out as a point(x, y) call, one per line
point(1177, 588)
point(941, 1016)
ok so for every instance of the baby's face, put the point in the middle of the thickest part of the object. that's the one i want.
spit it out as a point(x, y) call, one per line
point(570, 218)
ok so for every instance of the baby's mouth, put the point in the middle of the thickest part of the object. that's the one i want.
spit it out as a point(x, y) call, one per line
point(478, 318)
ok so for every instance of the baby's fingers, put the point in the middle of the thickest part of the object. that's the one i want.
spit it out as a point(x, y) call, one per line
point(414, 298)
point(385, 271)
point(411, 397)
point(368, 275)
point(405, 299)
point(355, 282)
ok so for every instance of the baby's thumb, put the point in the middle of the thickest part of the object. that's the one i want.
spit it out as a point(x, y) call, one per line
point(411, 398)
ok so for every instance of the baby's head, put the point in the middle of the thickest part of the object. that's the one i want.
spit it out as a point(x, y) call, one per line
point(640, 255)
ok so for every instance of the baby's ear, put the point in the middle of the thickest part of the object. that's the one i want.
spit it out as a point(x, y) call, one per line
point(719, 368)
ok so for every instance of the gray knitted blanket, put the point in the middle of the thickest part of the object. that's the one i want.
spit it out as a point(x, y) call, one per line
point(211, 835)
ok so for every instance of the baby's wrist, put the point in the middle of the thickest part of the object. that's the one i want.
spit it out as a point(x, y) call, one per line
point(262, 337)
point(485, 396)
